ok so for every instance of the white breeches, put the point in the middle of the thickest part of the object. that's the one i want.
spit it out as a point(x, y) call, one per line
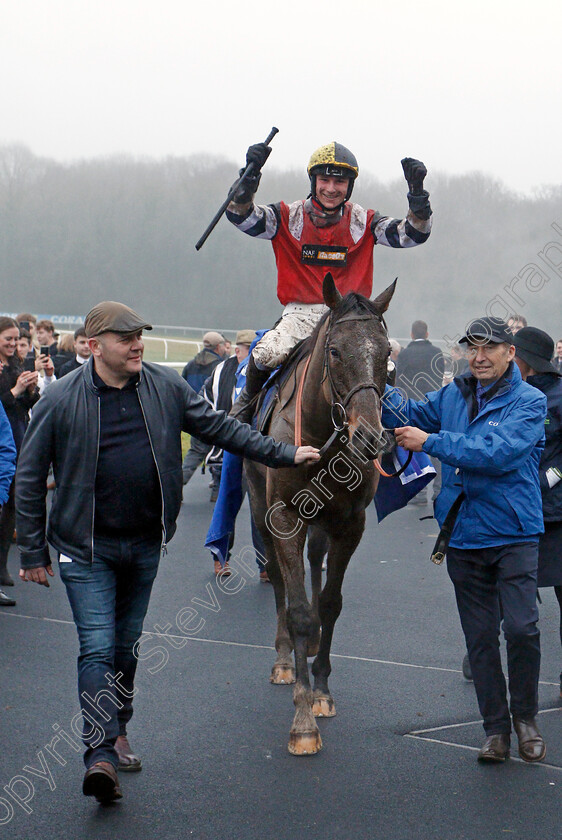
point(297, 322)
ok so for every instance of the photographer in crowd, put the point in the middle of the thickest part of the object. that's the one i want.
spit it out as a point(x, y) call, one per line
point(42, 363)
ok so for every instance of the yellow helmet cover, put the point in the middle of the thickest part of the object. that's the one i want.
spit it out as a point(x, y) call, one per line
point(333, 159)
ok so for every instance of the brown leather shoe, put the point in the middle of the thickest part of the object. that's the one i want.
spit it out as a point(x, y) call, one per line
point(101, 781)
point(531, 743)
point(495, 748)
point(222, 571)
point(128, 761)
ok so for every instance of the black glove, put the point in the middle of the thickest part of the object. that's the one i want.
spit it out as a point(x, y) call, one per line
point(414, 173)
point(257, 154)
point(247, 190)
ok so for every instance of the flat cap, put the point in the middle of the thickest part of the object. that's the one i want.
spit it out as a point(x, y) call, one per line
point(111, 316)
point(213, 339)
point(487, 331)
point(245, 337)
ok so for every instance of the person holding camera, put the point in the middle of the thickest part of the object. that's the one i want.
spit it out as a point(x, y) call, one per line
point(18, 393)
point(41, 362)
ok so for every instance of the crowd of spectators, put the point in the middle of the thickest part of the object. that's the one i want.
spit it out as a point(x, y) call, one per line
point(31, 359)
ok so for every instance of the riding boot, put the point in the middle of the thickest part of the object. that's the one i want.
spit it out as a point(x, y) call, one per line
point(243, 408)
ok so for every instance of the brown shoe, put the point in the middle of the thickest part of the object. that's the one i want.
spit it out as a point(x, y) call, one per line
point(495, 748)
point(128, 761)
point(222, 571)
point(101, 781)
point(531, 743)
point(264, 577)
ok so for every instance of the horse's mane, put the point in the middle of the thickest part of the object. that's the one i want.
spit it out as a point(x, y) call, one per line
point(352, 303)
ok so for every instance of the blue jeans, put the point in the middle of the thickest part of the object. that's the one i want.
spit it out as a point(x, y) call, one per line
point(109, 600)
point(494, 586)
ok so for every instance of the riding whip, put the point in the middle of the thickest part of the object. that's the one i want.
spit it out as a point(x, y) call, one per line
point(246, 174)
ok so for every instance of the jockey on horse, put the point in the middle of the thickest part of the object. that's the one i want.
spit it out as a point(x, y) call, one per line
point(325, 232)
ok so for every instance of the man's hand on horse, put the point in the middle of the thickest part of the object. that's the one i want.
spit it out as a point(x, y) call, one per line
point(306, 455)
point(37, 575)
point(410, 438)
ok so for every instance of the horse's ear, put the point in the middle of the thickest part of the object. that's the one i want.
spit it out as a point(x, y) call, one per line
point(329, 291)
point(382, 301)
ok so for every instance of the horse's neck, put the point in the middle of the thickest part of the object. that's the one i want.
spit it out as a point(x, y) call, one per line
point(316, 416)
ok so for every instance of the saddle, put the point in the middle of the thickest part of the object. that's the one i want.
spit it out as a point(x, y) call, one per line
point(272, 388)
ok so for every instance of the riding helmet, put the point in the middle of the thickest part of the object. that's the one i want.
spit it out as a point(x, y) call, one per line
point(335, 160)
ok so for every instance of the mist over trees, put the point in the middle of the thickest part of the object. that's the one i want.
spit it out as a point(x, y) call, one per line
point(125, 228)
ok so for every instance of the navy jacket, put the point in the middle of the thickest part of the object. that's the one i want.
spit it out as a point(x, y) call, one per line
point(200, 368)
point(494, 458)
point(551, 385)
point(419, 369)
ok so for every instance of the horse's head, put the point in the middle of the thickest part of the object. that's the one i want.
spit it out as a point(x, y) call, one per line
point(356, 355)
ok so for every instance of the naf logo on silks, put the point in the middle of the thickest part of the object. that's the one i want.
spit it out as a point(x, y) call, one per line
point(334, 255)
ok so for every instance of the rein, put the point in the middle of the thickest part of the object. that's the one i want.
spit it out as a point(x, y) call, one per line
point(337, 403)
point(298, 410)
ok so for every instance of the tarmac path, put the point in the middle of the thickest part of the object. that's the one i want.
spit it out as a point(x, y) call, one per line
point(399, 759)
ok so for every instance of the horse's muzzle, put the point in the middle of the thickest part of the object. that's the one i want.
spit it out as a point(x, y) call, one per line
point(369, 442)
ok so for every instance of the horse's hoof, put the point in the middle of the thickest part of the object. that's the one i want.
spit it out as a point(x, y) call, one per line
point(282, 675)
point(323, 707)
point(305, 743)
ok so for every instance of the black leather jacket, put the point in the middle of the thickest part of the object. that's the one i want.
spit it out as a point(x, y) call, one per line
point(64, 430)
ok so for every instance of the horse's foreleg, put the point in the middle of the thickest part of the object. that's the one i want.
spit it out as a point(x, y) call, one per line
point(304, 736)
point(283, 671)
point(316, 551)
point(302, 623)
point(329, 609)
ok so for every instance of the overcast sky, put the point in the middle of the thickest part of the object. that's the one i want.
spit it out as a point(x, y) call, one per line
point(471, 87)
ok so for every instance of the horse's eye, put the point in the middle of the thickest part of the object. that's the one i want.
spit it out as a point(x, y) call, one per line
point(334, 353)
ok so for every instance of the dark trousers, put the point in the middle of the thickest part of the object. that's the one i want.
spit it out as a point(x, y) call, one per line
point(482, 578)
point(558, 593)
point(109, 600)
point(194, 457)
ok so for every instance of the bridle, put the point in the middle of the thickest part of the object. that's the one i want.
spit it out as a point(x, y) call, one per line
point(338, 404)
point(336, 399)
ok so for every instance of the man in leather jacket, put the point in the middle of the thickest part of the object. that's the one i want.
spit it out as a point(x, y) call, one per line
point(112, 432)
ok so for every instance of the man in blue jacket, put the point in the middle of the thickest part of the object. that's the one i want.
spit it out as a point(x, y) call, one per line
point(487, 429)
point(7, 470)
